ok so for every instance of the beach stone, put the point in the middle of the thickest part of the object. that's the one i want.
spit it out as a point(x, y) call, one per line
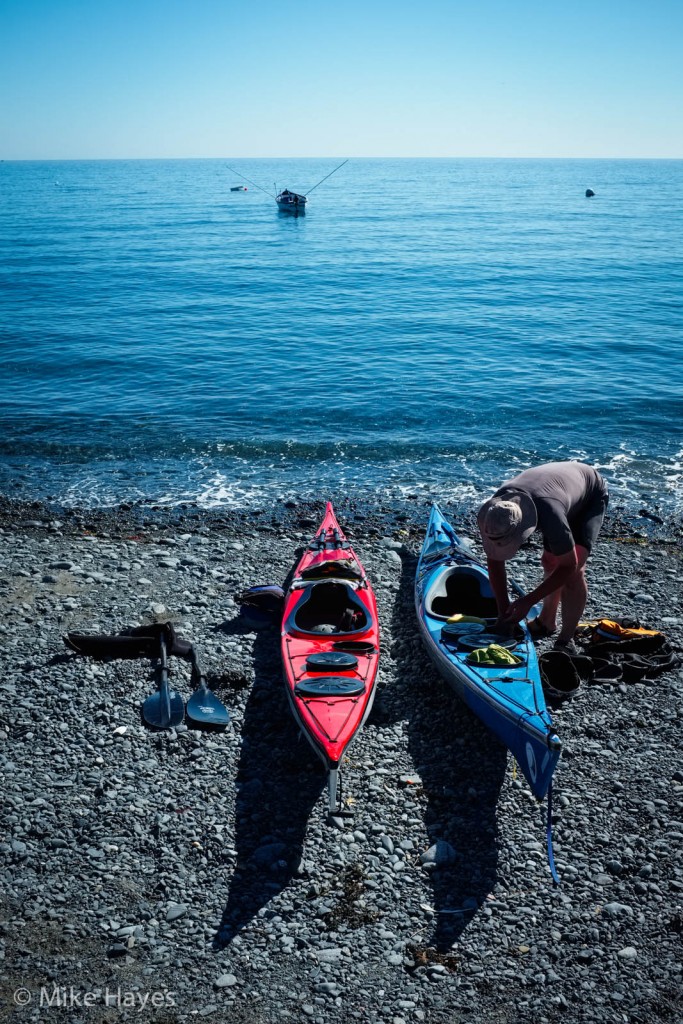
point(412, 779)
point(615, 909)
point(225, 981)
point(175, 912)
point(271, 853)
point(439, 853)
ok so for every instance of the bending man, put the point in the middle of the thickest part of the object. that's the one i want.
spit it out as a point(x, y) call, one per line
point(566, 501)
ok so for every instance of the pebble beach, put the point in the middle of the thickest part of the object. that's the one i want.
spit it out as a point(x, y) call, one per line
point(187, 875)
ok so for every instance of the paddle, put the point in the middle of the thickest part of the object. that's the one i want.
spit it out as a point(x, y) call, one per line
point(165, 709)
point(204, 706)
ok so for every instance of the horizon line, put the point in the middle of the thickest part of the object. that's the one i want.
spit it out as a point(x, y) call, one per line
point(94, 159)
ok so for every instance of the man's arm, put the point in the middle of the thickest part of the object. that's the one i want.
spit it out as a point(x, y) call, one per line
point(499, 585)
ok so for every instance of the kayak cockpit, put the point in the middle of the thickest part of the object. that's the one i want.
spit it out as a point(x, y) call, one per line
point(329, 607)
point(460, 590)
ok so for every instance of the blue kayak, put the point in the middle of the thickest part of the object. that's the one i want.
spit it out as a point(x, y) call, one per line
point(509, 699)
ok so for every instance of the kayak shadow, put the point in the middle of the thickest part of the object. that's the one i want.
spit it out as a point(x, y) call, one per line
point(461, 766)
point(278, 782)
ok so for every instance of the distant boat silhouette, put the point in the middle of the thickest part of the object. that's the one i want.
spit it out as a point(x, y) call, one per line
point(290, 202)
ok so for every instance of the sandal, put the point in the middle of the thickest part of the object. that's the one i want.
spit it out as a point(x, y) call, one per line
point(568, 646)
point(537, 631)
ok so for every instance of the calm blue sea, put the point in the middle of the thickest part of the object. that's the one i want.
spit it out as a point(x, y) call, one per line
point(429, 327)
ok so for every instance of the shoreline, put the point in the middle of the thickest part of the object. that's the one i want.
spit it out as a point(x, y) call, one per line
point(202, 864)
point(367, 517)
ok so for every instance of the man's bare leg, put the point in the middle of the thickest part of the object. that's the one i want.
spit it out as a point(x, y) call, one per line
point(548, 615)
point(574, 596)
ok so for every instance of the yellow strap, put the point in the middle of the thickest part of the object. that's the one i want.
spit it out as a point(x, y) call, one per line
point(466, 618)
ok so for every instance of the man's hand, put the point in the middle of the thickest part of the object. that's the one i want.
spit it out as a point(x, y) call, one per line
point(518, 610)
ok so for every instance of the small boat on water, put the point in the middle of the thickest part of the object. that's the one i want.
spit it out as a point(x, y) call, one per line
point(238, 188)
point(451, 584)
point(291, 202)
point(330, 647)
point(287, 201)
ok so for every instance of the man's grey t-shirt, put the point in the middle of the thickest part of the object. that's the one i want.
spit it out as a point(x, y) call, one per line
point(563, 493)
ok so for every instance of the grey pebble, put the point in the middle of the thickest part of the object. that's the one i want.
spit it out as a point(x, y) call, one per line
point(440, 852)
point(225, 981)
point(175, 912)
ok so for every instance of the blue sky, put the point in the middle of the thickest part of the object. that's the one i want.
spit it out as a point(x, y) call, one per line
point(202, 78)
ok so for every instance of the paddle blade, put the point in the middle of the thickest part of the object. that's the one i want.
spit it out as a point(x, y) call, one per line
point(204, 707)
point(161, 713)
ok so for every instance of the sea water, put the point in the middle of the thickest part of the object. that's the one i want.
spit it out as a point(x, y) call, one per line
point(428, 327)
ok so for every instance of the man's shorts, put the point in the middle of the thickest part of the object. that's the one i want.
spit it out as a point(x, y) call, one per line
point(586, 526)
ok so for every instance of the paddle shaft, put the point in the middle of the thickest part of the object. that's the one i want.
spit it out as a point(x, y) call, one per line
point(164, 690)
point(197, 672)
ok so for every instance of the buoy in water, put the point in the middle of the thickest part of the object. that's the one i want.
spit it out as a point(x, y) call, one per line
point(589, 193)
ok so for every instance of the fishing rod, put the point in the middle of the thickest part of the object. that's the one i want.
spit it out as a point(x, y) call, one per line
point(326, 177)
point(252, 182)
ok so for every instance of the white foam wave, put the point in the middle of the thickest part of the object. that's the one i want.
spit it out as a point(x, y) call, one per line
point(238, 482)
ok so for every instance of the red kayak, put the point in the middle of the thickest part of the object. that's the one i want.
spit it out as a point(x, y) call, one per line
point(330, 647)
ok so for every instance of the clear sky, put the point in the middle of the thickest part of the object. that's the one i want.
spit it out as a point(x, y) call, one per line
point(248, 78)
